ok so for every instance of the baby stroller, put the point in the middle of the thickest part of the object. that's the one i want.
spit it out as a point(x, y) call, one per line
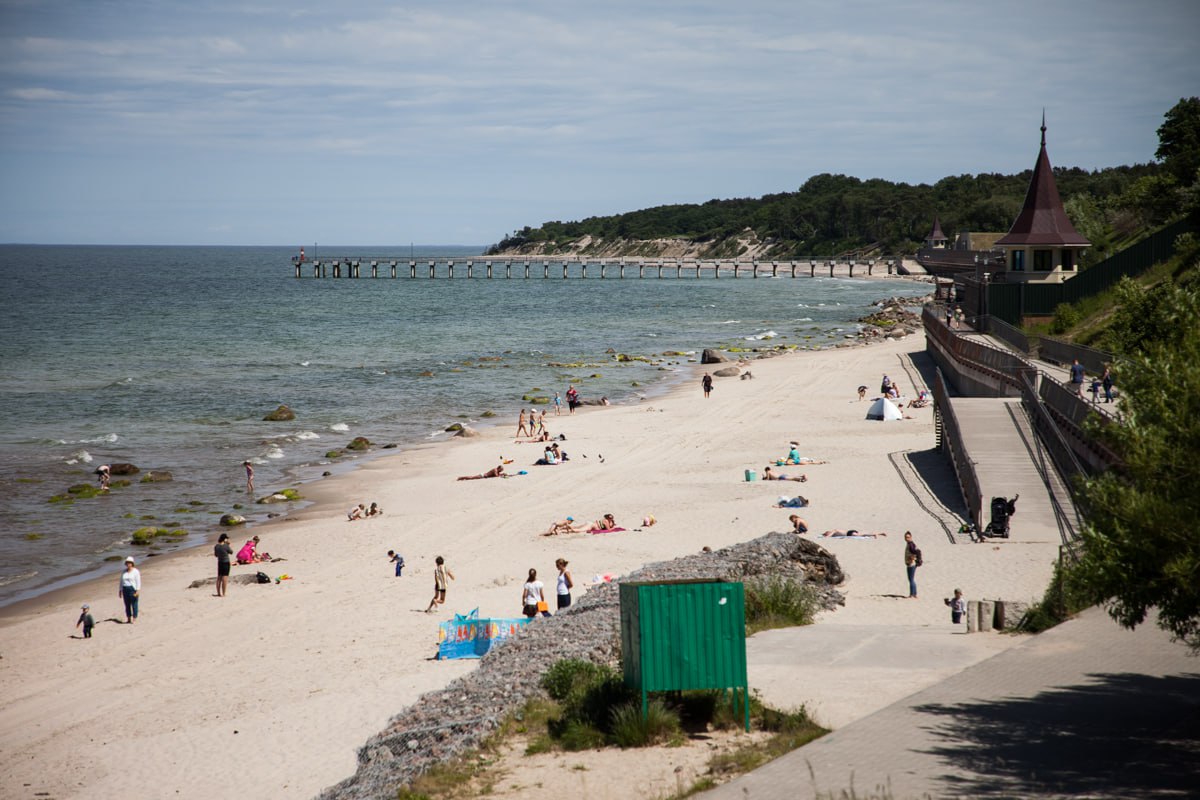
point(1002, 511)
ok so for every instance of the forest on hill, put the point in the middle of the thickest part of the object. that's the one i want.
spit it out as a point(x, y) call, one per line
point(838, 214)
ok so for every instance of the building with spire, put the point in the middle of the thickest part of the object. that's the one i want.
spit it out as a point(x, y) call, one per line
point(1042, 245)
point(936, 239)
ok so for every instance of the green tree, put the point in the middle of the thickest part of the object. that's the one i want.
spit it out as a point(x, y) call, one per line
point(1140, 548)
point(1179, 141)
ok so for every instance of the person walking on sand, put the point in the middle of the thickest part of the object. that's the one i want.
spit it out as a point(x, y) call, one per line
point(87, 621)
point(249, 477)
point(912, 560)
point(564, 585)
point(223, 552)
point(533, 597)
point(522, 430)
point(572, 398)
point(129, 589)
point(440, 574)
point(706, 384)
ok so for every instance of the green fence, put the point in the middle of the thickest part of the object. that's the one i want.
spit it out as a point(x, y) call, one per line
point(1012, 301)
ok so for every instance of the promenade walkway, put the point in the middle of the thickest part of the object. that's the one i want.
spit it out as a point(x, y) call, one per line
point(1086, 709)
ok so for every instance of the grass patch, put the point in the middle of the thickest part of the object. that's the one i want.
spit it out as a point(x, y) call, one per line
point(1061, 601)
point(778, 602)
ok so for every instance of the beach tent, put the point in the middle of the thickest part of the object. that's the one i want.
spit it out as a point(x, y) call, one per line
point(884, 410)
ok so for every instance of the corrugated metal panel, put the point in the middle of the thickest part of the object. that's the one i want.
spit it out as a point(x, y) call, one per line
point(1004, 302)
point(683, 635)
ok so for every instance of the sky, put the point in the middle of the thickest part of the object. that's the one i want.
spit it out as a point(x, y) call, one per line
point(260, 122)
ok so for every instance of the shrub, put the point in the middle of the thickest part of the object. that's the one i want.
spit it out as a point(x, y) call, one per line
point(1066, 317)
point(779, 602)
point(573, 676)
point(630, 728)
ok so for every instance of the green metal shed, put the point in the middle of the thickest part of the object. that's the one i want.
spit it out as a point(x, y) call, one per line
point(679, 635)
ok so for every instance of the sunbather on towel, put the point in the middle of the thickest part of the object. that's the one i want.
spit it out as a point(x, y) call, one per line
point(605, 523)
point(768, 475)
point(566, 526)
point(495, 472)
point(799, 501)
point(853, 534)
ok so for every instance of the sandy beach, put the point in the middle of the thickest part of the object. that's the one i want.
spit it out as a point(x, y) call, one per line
point(271, 689)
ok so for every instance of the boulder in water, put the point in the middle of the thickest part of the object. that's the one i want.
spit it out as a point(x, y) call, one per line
point(123, 469)
point(281, 414)
point(712, 357)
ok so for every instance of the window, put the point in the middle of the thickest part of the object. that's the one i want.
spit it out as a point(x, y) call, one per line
point(1068, 261)
point(1018, 260)
point(1043, 260)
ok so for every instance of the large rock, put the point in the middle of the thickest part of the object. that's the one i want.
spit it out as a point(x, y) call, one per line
point(123, 469)
point(230, 520)
point(712, 357)
point(727, 372)
point(359, 443)
point(281, 414)
point(467, 432)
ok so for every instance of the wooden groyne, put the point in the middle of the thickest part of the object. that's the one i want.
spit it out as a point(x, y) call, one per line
point(579, 268)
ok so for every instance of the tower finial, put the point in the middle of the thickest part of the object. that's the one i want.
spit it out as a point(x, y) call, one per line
point(1043, 127)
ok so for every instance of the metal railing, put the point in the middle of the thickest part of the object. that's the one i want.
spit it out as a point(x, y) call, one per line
point(1016, 337)
point(1063, 352)
point(952, 444)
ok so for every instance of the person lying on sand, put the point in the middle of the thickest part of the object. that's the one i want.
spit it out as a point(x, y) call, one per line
point(921, 401)
point(495, 472)
point(799, 501)
point(798, 525)
point(566, 526)
point(768, 475)
point(605, 523)
point(853, 534)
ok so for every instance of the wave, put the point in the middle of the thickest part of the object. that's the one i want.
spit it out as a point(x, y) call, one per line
point(305, 363)
point(758, 337)
point(340, 427)
point(305, 435)
point(274, 452)
point(118, 384)
point(731, 322)
point(24, 576)
point(79, 456)
point(107, 438)
point(804, 319)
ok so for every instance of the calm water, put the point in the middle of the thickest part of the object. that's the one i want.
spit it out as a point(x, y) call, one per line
point(168, 358)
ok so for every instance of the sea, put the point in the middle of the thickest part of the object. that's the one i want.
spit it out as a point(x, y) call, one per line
point(168, 358)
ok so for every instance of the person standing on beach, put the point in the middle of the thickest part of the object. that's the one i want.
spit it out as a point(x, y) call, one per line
point(521, 429)
point(557, 405)
point(912, 560)
point(249, 477)
point(706, 384)
point(564, 585)
point(440, 574)
point(1077, 377)
point(572, 398)
point(223, 552)
point(533, 597)
point(87, 621)
point(129, 588)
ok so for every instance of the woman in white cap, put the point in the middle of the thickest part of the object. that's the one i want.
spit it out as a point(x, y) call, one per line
point(129, 587)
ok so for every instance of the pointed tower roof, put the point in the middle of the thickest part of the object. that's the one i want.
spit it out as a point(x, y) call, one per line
point(1042, 220)
point(937, 231)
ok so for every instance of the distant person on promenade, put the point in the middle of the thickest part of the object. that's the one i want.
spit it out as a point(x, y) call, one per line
point(249, 477)
point(912, 560)
point(1077, 376)
point(706, 384)
point(223, 553)
point(958, 606)
point(440, 575)
point(129, 589)
point(1107, 381)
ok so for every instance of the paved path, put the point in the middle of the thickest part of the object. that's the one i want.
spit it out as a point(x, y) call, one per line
point(1084, 710)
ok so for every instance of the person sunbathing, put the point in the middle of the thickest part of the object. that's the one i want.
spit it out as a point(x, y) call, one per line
point(921, 401)
point(566, 526)
point(853, 534)
point(605, 523)
point(798, 525)
point(495, 472)
point(768, 475)
point(799, 501)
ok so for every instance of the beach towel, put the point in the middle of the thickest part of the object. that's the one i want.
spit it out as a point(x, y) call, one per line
point(605, 530)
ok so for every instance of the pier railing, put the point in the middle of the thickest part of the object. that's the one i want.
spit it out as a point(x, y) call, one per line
point(950, 440)
point(578, 267)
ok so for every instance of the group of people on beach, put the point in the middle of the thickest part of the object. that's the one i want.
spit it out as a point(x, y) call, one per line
point(361, 511)
point(533, 593)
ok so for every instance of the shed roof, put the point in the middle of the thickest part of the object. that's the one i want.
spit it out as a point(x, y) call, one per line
point(1042, 220)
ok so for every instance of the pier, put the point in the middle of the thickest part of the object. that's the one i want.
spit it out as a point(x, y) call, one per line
point(584, 268)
